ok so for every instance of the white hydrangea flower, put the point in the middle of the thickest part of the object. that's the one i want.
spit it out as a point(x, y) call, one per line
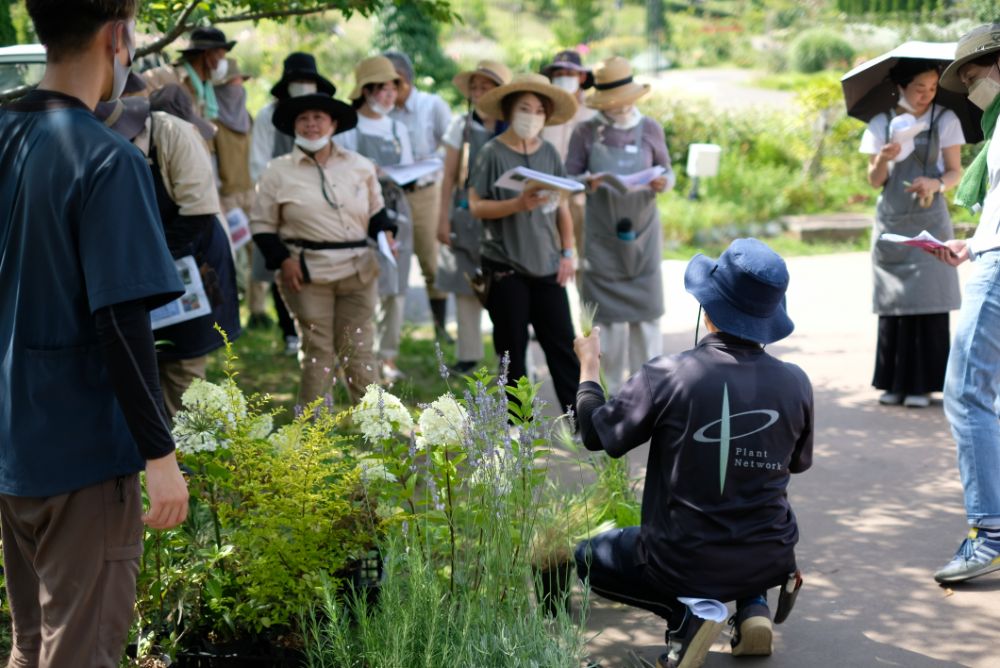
point(373, 470)
point(380, 413)
point(443, 422)
point(192, 435)
point(205, 397)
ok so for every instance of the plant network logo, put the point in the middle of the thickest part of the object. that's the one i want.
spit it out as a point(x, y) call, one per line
point(726, 436)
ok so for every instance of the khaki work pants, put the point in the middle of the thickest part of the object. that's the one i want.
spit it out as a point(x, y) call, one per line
point(469, 315)
point(176, 377)
point(337, 324)
point(70, 563)
point(425, 204)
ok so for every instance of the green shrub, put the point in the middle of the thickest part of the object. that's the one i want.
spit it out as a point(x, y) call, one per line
point(819, 49)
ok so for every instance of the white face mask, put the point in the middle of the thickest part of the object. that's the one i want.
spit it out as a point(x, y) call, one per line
point(312, 145)
point(120, 76)
point(220, 71)
point(568, 84)
point(527, 126)
point(625, 118)
point(983, 91)
point(300, 88)
point(903, 102)
point(380, 109)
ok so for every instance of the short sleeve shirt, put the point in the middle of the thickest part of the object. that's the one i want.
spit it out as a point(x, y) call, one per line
point(79, 231)
point(527, 241)
point(949, 130)
point(727, 423)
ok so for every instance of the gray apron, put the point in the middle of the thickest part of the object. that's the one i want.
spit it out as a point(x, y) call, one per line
point(621, 276)
point(392, 278)
point(909, 281)
point(461, 259)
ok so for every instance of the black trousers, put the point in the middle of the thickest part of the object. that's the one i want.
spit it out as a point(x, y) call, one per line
point(516, 300)
point(285, 320)
point(912, 353)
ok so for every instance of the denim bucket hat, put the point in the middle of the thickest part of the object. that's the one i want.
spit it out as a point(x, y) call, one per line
point(743, 291)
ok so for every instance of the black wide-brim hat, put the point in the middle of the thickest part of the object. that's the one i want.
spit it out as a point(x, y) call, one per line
point(300, 66)
point(205, 38)
point(743, 291)
point(289, 109)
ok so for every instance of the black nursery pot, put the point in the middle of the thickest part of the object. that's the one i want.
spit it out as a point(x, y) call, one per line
point(240, 654)
point(365, 576)
point(552, 588)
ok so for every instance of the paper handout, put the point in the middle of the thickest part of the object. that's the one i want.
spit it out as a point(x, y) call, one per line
point(403, 174)
point(239, 228)
point(385, 248)
point(192, 304)
point(519, 178)
point(923, 240)
point(902, 130)
point(706, 608)
point(629, 182)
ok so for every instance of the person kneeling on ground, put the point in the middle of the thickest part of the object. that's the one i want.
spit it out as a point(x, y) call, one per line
point(728, 423)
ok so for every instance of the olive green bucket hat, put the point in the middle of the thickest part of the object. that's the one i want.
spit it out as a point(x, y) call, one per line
point(974, 44)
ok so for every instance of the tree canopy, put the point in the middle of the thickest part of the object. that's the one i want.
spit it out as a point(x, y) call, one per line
point(172, 18)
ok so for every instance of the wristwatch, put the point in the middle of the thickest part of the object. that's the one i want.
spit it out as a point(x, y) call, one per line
point(567, 253)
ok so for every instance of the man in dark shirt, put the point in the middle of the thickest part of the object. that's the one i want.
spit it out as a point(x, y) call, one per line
point(727, 424)
point(82, 260)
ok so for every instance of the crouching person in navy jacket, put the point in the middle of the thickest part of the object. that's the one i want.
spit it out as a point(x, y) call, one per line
point(727, 425)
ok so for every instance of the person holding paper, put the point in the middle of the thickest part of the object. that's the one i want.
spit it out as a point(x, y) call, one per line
point(458, 232)
point(912, 292)
point(972, 383)
point(385, 141)
point(317, 209)
point(621, 259)
point(527, 248)
point(727, 424)
point(188, 203)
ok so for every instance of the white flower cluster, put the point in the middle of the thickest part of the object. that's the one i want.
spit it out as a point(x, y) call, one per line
point(380, 413)
point(210, 410)
point(442, 423)
point(373, 470)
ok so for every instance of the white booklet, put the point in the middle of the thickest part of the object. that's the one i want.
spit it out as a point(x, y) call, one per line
point(519, 178)
point(404, 174)
point(630, 182)
point(192, 304)
point(706, 608)
point(239, 228)
point(384, 247)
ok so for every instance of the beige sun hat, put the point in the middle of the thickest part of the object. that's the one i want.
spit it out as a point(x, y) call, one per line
point(563, 104)
point(977, 42)
point(491, 69)
point(614, 86)
point(374, 70)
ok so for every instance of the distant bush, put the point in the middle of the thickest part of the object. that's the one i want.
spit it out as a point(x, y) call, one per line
point(819, 49)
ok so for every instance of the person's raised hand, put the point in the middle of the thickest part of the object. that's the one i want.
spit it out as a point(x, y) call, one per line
point(167, 491)
point(588, 351)
point(659, 184)
point(889, 152)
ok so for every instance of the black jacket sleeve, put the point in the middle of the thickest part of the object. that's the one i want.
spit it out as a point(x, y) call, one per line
point(126, 340)
point(381, 222)
point(184, 232)
point(272, 249)
point(589, 397)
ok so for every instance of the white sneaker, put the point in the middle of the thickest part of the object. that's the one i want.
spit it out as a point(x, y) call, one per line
point(291, 345)
point(890, 399)
point(917, 401)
